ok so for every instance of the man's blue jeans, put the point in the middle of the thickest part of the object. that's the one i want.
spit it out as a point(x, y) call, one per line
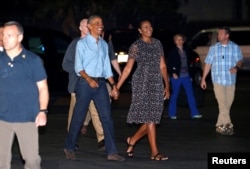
point(100, 96)
point(187, 84)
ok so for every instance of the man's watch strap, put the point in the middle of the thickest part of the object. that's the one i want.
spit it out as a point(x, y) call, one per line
point(44, 110)
point(112, 85)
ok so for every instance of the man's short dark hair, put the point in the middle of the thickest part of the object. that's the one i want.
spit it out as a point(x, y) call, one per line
point(91, 18)
point(15, 23)
point(226, 28)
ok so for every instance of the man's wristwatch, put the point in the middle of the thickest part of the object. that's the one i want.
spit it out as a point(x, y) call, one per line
point(44, 110)
point(112, 85)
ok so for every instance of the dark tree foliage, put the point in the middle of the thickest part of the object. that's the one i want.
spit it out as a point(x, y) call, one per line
point(55, 9)
point(67, 13)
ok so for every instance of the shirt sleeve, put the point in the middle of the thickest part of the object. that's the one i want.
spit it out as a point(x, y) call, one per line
point(239, 54)
point(111, 51)
point(69, 58)
point(210, 55)
point(39, 72)
point(133, 51)
point(107, 69)
point(78, 59)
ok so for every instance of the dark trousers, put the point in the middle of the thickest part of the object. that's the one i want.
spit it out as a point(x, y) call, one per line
point(100, 96)
point(187, 84)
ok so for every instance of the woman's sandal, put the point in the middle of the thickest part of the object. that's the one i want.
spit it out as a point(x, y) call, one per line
point(130, 153)
point(159, 157)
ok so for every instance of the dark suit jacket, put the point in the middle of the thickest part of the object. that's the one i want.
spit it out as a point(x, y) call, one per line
point(174, 61)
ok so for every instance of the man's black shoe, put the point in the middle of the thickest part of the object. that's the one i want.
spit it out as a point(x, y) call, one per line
point(76, 147)
point(101, 145)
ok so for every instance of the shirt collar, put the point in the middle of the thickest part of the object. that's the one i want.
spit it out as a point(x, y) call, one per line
point(229, 43)
point(92, 39)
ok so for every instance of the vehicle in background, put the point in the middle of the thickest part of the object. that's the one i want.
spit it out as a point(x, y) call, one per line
point(203, 39)
point(51, 46)
point(123, 38)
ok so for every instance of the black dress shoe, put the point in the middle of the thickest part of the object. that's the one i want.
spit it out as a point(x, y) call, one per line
point(76, 147)
point(101, 145)
point(70, 155)
point(115, 157)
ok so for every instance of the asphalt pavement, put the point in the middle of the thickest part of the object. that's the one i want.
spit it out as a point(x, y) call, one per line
point(185, 141)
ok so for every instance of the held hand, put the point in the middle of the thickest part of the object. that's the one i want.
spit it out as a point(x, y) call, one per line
point(203, 84)
point(41, 119)
point(115, 93)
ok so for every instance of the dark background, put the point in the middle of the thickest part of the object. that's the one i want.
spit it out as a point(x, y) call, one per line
point(186, 16)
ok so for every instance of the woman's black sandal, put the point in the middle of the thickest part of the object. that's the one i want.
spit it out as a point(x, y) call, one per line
point(159, 157)
point(130, 153)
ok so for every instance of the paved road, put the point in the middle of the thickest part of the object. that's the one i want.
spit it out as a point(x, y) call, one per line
point(186, 141)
